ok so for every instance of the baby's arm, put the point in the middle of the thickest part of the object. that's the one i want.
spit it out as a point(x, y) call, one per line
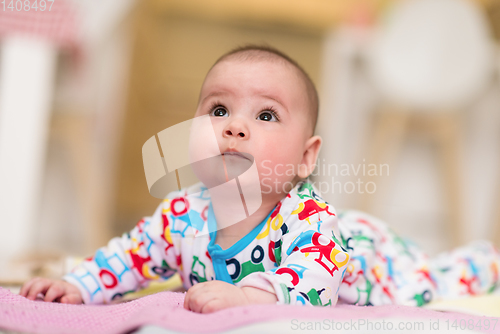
point(124, 265)
point(129, 262)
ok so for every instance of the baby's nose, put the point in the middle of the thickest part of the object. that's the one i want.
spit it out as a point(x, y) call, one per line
point(237, 129)
point(239, 134)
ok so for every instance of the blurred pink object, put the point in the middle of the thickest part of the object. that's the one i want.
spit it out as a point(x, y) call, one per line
point(57, 25)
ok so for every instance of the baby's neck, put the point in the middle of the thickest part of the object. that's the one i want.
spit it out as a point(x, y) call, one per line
point(228, 236)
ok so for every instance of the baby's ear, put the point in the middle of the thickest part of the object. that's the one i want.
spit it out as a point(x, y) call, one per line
point(311, 150)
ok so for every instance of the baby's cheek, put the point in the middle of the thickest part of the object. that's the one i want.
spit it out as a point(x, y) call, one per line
point(276, 178)
point(279, 164)
point(283, 170)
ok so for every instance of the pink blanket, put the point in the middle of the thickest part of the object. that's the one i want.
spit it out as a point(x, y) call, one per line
point(165, 310)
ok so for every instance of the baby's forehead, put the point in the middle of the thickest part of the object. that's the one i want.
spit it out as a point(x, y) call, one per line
point(270, 59)
point(251, 63)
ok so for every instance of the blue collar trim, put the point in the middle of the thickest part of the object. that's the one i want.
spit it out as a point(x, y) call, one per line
point(219, 255)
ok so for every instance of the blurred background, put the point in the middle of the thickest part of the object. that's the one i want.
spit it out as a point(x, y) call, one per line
point(410, 111)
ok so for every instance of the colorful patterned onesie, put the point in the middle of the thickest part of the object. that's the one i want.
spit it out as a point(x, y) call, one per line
point(301, 252)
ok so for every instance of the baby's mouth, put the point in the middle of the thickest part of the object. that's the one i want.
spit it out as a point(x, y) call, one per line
point(236, 154)
point(235, 163)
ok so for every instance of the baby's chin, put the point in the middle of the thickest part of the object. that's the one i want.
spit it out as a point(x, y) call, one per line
point(223, 168)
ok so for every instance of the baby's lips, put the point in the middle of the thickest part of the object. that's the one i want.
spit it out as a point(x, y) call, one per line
point(245, 155)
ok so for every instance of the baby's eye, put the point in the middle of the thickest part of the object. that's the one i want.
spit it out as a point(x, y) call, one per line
point(267, 116)
point(219, 112)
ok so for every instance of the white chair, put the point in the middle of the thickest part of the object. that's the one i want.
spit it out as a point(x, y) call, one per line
point(429, 60)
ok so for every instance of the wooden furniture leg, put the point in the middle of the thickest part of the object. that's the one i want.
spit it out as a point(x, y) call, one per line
point(389, 133)
point(447, 133)
point(75, 132)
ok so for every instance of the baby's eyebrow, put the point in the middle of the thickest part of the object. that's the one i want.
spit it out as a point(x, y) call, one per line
point(277, 100)
point(213, 94)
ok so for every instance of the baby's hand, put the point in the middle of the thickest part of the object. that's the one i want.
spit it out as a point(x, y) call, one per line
point(217, 295)
point(213, 296)
point(54, 290)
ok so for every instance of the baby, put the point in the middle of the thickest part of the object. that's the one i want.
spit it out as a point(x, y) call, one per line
point(294, 249)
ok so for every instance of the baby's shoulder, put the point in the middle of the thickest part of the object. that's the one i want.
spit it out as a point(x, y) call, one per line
point(304, 209)
point(186, 210)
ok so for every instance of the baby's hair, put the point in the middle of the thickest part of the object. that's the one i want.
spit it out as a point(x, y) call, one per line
point(264, 52)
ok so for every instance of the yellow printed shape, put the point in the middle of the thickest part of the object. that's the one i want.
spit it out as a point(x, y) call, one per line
point(333, 258)
point(135, 250)
point(377, 271)
point(271, 223)
point(145, 272)
point(299, 209)
point(165, 210)
point(168, 235)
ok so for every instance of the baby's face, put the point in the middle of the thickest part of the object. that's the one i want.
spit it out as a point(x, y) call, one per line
point(260, 108)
